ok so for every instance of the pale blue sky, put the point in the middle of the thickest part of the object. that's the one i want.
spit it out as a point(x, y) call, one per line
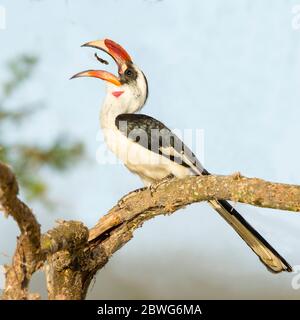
point(230, 68)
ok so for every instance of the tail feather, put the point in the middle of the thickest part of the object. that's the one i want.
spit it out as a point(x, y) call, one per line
point(266, 253)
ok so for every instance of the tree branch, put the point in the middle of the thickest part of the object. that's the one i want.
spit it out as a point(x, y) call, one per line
point(116, 228)
point(27, 256)
point(74, 254)
point(64, 246)
point(176, 193)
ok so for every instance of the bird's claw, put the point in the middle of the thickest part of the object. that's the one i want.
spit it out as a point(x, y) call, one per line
point(129, 195)
point(153, 187)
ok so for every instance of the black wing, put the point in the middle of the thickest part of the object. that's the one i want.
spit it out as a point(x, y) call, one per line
point(155, 136)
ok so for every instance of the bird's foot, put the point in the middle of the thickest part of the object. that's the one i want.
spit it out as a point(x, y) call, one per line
point(129, 195)
point(153, 187)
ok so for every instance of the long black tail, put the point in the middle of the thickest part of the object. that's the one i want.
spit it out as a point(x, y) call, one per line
point(266, 253)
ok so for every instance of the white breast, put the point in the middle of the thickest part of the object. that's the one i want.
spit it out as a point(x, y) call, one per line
point(149, 165)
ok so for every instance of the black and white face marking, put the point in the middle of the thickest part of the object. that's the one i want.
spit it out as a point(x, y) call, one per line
point(133, 91)
point(129, 75)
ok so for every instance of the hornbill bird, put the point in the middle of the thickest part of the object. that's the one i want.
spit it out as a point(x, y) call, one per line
point(149, 149)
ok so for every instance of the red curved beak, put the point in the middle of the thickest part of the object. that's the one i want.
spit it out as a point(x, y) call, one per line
point(100, 74)
point(118, 53)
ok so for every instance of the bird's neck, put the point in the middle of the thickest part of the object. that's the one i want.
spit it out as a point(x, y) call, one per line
point(110, 110)
point(114, 106)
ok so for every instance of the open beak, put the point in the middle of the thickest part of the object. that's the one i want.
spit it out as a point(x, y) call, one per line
point(119, 54)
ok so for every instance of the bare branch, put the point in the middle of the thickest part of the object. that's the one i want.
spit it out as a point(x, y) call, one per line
point(74, 254)
point(27, 257)
point(116, 228)
point(177, 193)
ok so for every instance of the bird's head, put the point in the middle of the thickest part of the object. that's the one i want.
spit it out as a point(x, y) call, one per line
point(129, 87)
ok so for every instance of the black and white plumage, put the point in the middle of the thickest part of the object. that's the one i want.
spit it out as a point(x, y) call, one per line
point(149, 149)
point(155, 136)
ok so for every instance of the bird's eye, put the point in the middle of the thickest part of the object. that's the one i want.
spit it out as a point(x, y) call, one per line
point(128, 73)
